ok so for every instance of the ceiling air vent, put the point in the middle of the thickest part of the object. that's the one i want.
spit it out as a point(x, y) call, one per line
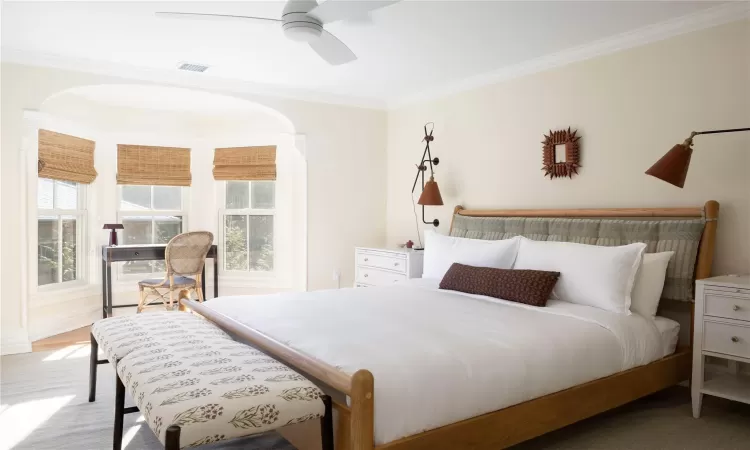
point(192, 67)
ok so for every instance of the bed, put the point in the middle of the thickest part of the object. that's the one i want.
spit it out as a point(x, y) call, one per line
point(444, 375)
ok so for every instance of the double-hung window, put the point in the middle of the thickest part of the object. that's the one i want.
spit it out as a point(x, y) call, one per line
point(150, 215)
point(248, 226)
point(61, 218)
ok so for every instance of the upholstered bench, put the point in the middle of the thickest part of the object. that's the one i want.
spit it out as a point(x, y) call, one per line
point(119, 336)
point(193, 393)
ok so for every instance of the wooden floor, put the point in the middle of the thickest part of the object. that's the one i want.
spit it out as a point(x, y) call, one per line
point(79, 336)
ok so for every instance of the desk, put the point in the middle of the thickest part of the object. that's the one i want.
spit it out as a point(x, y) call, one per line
point(120, 253)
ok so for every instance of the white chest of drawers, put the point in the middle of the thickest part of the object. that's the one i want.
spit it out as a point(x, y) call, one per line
point(380, 267)
point(722, 330)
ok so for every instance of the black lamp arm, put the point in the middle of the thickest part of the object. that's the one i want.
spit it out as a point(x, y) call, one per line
point(422, 168)
point(689, 141)
point(435, 222)
point(730, 130)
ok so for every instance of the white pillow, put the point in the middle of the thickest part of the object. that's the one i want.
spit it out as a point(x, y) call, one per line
point(590, 275)
point(440, 252)
point(649, 283)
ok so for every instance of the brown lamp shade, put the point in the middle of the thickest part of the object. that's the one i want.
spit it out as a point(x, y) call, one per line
point(431, 194)
point(673, 166)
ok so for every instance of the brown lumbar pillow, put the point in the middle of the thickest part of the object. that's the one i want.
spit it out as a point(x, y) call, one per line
point(532, 287)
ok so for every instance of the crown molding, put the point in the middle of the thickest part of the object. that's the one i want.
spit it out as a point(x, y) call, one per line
point(718, 15)
point(182, 79)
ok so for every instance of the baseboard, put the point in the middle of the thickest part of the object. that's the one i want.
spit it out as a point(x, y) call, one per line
point(15, 346)
point(57, 325)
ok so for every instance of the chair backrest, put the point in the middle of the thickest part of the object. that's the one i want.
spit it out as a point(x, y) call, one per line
point(186, 253)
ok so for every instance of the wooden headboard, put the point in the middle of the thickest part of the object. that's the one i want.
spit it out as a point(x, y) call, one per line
point(709, 211)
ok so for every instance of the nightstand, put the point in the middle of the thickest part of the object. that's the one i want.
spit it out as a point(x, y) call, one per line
point(722, 330)
point(379, 267)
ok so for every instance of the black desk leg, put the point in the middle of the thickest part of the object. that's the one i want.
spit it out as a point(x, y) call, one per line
point(109, 289)
point(203, 279)
point(104, 289)
point(216, 276)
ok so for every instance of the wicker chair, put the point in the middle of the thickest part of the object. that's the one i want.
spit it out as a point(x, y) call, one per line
point(185, 257)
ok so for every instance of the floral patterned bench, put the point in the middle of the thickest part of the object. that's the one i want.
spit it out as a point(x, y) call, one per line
point(194, 385)
point(117, 337)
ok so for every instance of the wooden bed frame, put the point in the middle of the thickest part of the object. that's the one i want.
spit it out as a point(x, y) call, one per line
point(515, 424)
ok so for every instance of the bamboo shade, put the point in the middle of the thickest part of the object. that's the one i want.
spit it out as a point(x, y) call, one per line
point(163, 166)
point(66, 158)
point(245, 163)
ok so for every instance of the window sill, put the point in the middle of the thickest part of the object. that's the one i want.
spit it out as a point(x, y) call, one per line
point(251, 281)
point(47, 295)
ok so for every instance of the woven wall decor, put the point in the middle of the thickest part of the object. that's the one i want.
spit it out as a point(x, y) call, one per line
point(66, 158)
point(245, 163)
point(572, 153)
point(147, 165)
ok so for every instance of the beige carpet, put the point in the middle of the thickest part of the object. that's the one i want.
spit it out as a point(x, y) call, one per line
point(43, 398)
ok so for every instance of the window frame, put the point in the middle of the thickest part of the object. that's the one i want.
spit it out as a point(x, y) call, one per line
point(249, 211)
point(152, 213)
point(81, 216)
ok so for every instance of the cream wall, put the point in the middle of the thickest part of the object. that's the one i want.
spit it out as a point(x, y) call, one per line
point(630, 108)
point(344, 149)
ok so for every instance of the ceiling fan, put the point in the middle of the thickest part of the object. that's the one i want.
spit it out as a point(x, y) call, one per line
point(303, 20)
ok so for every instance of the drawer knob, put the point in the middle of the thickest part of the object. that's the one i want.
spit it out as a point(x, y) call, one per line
point(136, 253)
point(366, 259)
point(395, 264)
point(365, 275)
point(735, 339)
point(737, 290)
point(736, 308)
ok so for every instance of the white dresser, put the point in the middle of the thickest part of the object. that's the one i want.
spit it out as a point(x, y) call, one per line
point(378, 267)
point(722, 330)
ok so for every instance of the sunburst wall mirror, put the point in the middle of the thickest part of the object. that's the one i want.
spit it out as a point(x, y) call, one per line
point(561, 153)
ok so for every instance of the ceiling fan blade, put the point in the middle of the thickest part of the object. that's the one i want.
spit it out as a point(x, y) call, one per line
point(202, 16)
point(331, 49)
point(333, 10)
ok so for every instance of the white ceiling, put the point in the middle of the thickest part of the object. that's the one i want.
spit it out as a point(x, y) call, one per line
point(408, 49)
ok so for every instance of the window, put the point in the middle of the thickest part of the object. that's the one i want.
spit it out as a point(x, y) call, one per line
point(60, 224)
point(248, 223)
point(150, 215)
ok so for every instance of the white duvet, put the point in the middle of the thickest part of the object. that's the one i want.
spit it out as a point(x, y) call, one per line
point(439, 357)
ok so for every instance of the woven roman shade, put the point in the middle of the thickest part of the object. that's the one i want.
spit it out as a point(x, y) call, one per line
point(163, 166)
point(66, 158)
point(245, 163)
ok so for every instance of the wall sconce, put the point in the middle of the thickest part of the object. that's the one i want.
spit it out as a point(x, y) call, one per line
point(430, 192)
point(673, 166)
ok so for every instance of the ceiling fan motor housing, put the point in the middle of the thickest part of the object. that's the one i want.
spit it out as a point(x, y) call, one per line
point(297, 24)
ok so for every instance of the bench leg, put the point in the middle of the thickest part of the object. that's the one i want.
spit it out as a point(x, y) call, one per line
point(172, 439)
point(119, 414)
point(93, 362)
point(326, 424)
